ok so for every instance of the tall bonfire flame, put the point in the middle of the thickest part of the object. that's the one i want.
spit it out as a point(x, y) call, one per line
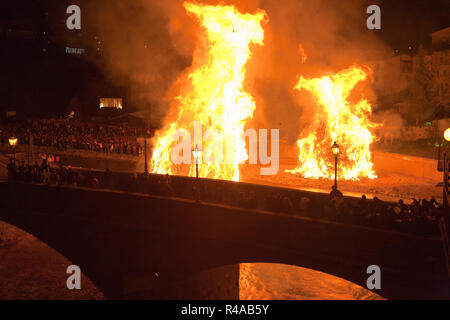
point(339, 120)
point(212, 93)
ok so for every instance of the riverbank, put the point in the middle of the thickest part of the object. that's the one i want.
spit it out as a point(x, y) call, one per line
point(31, 270)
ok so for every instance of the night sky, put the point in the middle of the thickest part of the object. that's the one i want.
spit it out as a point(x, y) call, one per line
point(33, 75)
point(404, 22)
point(408, 22)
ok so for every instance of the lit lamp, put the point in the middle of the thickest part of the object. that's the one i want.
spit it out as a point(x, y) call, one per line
point(441, 144)
point(197, 153)
point(13, 143)
point(446, 168)
point(335, 150)
point(447, 135)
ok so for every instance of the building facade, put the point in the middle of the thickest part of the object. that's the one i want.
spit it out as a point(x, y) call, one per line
point(394, 77)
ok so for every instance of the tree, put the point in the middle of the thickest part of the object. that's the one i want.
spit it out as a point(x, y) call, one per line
point(421, 107)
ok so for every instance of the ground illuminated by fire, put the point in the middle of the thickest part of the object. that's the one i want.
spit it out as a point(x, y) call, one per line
point(392, 184)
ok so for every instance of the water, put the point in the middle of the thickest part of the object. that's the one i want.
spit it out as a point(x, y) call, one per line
point(271, 281)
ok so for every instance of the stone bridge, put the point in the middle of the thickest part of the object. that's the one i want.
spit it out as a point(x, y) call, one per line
point(171, 248)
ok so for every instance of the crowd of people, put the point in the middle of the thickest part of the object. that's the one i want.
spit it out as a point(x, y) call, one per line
point(420, 216)
point(44, 173)
point(64, 134)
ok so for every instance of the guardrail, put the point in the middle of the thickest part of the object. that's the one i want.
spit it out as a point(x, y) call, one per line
point(277, 200)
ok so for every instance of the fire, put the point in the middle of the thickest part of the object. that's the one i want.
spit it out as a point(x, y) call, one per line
point(338, 120)
point(302, 53)
point(213, 94)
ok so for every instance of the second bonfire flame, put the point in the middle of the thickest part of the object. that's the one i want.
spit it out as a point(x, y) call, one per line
point(336, 119)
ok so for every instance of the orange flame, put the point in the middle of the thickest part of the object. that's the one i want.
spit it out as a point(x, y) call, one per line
point(337, 120)
point(302, 53)
point(212, 92)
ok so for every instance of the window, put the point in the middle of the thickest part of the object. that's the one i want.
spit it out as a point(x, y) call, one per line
point(406, 66)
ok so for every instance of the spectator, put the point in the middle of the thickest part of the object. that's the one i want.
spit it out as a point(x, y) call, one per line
point(419, 217)
point(64, 134)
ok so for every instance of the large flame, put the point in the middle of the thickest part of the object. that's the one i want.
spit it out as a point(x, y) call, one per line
point(336, 119)
point(212, 92)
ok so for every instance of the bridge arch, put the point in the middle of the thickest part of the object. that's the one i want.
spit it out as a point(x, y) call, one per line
point(115, 236)
point(31, 269)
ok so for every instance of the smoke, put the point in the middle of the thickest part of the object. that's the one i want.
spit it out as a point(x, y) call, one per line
point(137, 51)
point(333, 35)
point(148, 44)
point(392, 125)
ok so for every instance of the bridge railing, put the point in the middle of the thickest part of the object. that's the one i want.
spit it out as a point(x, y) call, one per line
point(261, 197)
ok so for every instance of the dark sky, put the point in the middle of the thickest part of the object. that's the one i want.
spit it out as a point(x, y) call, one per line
point(404, 22)
point(410, 21)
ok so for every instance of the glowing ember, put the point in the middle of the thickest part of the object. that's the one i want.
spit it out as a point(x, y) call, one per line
point(337, 120)
point(212, 93)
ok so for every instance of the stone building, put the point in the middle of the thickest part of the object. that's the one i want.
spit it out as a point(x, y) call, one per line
point(394, 76)
point(441, 69)
point(392, 81)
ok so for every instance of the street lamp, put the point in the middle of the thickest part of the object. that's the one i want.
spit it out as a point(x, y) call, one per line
point(447, 134)
point(145, 157)
point(197, 152)
point(335, 150)
point(443, 140)
point(446, 168)
point(13, 143)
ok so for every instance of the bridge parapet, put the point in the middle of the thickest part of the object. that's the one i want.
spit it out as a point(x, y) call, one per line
point(374, 213)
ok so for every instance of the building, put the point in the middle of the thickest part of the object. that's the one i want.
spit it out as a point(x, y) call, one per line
point(441, 69)
point(441, 39)
point(392, 81)
point(394, 76)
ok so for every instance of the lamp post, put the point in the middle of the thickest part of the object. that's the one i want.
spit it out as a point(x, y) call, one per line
point(335, 150)
point(446, 168)
point(145, 155)
point(197, 152)
point(13, 143)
